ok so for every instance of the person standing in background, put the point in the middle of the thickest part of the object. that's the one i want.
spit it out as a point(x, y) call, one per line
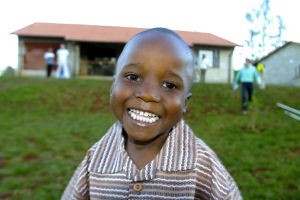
point(62, 61)
point(197, 76)
point(246, 77)
point(49, 57)
point(203, 67)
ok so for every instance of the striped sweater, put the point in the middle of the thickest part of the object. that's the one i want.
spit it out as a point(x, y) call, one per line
point(185, 168)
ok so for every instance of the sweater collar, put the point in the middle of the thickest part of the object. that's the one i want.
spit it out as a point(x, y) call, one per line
point(177, 154)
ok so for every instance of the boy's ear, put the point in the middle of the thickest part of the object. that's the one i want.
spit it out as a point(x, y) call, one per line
point(112, 86)
point(111, 90)
point(187, 98)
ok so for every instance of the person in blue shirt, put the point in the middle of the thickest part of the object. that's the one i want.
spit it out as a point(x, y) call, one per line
point(247, 76)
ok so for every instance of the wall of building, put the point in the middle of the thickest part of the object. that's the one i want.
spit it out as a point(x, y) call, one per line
point(282, 67)
point(31, 55)
point(223, 73)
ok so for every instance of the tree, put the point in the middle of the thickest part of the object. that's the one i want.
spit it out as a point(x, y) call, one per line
point(265, 30)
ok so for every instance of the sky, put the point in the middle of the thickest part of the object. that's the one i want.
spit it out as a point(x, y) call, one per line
point(224, 18)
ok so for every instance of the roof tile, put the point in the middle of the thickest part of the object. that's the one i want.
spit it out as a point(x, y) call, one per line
point(94, 33)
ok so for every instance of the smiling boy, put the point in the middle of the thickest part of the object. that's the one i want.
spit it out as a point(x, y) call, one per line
point(150, 152)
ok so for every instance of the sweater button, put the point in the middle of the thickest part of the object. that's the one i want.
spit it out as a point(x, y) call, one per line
point(137, 187)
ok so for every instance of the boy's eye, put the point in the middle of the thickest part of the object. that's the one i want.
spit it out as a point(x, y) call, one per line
point(169, 85)
point(132, 77)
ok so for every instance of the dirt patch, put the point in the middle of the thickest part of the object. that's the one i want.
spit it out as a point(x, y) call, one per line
point(6, 196)
point(206, 98)
point(260, 170)
point(30, 157)
point(232, 112)
point(253, 128)
point(292, 187)
point(216, 110)
point(2, 162)
point(99, 104)
point(295, 150)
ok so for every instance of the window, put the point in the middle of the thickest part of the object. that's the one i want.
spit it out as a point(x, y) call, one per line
point(212, 56)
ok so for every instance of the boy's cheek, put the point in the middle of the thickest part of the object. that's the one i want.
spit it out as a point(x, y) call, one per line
point(119, 94)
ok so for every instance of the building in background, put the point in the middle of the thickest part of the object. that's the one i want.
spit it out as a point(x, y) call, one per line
point(94, 50)
point(282, 66)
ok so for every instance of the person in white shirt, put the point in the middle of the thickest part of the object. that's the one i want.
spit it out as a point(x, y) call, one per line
point(203, 67)
point(62, 61)
point(197, 71)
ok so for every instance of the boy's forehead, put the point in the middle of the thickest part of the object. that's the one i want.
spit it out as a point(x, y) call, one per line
point(155, 39)
point(164, 43)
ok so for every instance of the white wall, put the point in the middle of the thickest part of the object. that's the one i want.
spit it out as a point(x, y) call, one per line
point(220, 74)
point(280, 67)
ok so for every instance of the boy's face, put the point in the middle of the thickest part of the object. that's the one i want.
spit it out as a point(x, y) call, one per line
point(150, 90)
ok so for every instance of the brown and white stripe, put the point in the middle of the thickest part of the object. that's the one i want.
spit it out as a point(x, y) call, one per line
point(185, 168)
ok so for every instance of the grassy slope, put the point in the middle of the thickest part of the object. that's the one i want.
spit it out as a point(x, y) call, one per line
point(46, 125)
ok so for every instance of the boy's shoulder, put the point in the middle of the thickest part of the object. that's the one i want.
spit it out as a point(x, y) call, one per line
point(106, 148)
point(206, 154)
point(212, 173)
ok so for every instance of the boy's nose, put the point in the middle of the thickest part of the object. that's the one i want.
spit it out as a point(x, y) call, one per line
point(148, 92)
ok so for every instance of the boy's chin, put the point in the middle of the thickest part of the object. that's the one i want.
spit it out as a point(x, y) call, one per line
point(144, 135)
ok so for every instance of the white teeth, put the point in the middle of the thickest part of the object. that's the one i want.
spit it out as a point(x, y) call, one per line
point(143, 116)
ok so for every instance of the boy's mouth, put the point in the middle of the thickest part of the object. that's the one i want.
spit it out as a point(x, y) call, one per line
point(143, 116)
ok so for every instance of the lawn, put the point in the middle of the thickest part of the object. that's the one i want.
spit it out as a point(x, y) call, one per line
point(46, 126)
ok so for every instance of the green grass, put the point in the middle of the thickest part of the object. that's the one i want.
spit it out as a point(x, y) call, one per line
point(46, 126)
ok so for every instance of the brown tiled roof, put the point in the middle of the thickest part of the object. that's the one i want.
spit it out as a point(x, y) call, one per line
point(93, 33)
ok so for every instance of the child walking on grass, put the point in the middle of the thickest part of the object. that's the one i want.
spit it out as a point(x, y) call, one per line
point(150, 152)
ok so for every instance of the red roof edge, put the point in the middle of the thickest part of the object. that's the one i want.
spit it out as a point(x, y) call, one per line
point(96, 33)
